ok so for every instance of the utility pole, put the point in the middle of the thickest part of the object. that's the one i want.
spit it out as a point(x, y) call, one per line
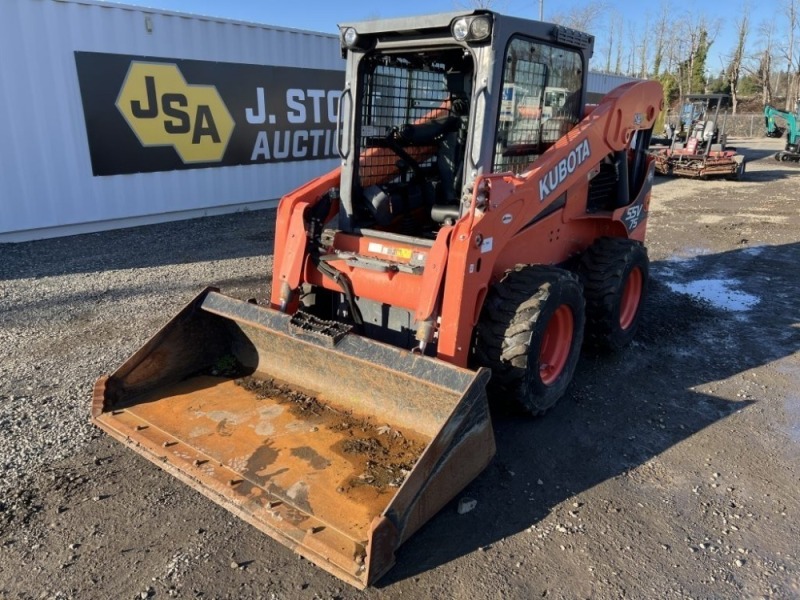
point(541, 10)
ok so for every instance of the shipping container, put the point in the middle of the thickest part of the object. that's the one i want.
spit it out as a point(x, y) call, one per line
point(75, 158)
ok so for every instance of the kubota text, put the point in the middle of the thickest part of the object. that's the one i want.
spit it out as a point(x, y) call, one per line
point(565, 167)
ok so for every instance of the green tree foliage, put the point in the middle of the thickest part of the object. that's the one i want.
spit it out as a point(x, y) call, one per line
point(670, 85)
point(697, 73)
point(749, 86)
point(719, 85)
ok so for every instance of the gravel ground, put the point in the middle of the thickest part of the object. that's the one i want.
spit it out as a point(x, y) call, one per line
point(669, 470)
point(72, 308)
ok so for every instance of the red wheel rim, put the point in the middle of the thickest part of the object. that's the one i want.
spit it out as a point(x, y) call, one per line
point(631, 296)
point(556, 344)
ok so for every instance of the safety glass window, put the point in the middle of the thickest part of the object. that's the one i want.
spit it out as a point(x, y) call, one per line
point(541, 101)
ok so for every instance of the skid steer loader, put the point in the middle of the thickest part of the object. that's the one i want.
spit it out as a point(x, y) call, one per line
point(481, 219)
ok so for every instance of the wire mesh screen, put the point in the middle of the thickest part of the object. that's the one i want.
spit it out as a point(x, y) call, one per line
point(540, 103)
point(519, 129)
point(395, 95)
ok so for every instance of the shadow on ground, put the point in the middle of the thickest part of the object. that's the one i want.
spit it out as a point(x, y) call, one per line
point(236, 235)
point(623, 410)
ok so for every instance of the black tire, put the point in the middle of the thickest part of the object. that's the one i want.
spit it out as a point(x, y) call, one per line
point(528, 303)
point(614, 273)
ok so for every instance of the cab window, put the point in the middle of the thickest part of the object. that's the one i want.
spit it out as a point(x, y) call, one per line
point(541, 101)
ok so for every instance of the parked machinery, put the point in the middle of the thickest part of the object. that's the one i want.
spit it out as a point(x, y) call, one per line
point(700, 148)
point(792, 150)
point(482, 218)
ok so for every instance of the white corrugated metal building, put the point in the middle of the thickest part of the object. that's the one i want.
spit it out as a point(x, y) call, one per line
point(47, 187)
point(599, 84)
point(68, 165)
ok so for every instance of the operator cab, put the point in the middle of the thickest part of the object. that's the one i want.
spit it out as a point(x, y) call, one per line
point(413, 123)
point(427, 109)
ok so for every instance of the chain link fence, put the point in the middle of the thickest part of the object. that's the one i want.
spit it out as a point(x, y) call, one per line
point(742, 125)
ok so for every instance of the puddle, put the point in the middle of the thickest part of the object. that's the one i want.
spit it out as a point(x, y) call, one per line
point(720, 293)
point(754, 250)
point(688, 253)
point(718, 290)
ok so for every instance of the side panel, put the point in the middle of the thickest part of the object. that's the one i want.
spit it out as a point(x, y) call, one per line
point(511, 224)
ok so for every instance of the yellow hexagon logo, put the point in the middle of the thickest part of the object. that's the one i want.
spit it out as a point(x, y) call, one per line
point(163, 110)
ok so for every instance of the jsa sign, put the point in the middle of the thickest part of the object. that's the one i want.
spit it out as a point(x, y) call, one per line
point(144, 114)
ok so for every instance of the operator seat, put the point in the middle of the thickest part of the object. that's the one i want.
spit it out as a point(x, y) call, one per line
point(450, 163)
point(450, 154)
point(709, 130)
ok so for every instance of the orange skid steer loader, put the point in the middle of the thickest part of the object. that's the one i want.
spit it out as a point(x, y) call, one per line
point(467, 233)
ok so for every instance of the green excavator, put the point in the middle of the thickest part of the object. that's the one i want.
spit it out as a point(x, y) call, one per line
point(792, 150)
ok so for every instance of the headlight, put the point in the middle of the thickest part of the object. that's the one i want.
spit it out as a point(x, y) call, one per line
point(472, 29)
point(461, 29)
point(350, 37)
point(480, 28)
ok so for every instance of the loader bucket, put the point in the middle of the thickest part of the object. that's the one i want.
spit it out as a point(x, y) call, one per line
point(335, 445)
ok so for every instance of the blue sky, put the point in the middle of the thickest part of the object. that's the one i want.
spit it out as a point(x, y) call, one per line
point(323, 15)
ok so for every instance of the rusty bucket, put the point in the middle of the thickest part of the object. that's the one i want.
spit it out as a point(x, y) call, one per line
point(335, 445)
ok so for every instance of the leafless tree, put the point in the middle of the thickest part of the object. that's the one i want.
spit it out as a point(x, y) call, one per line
point(759, 66)
point(583, 18)
point(662, 31)
point(644, 48)
point(737, 57)
point(695, 37)
point(483, 4)
point(672, 46)
point(614, 47)
point(632, 36)
point(765, 72)
point(608, 41)
point(619, 29)
point(677, 46)
point(792, 14)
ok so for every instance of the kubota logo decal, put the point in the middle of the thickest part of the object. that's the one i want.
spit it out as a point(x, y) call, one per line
point(163, 110)
point(565, 167)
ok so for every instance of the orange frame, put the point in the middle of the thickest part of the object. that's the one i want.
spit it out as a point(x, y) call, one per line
point(508, 229)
